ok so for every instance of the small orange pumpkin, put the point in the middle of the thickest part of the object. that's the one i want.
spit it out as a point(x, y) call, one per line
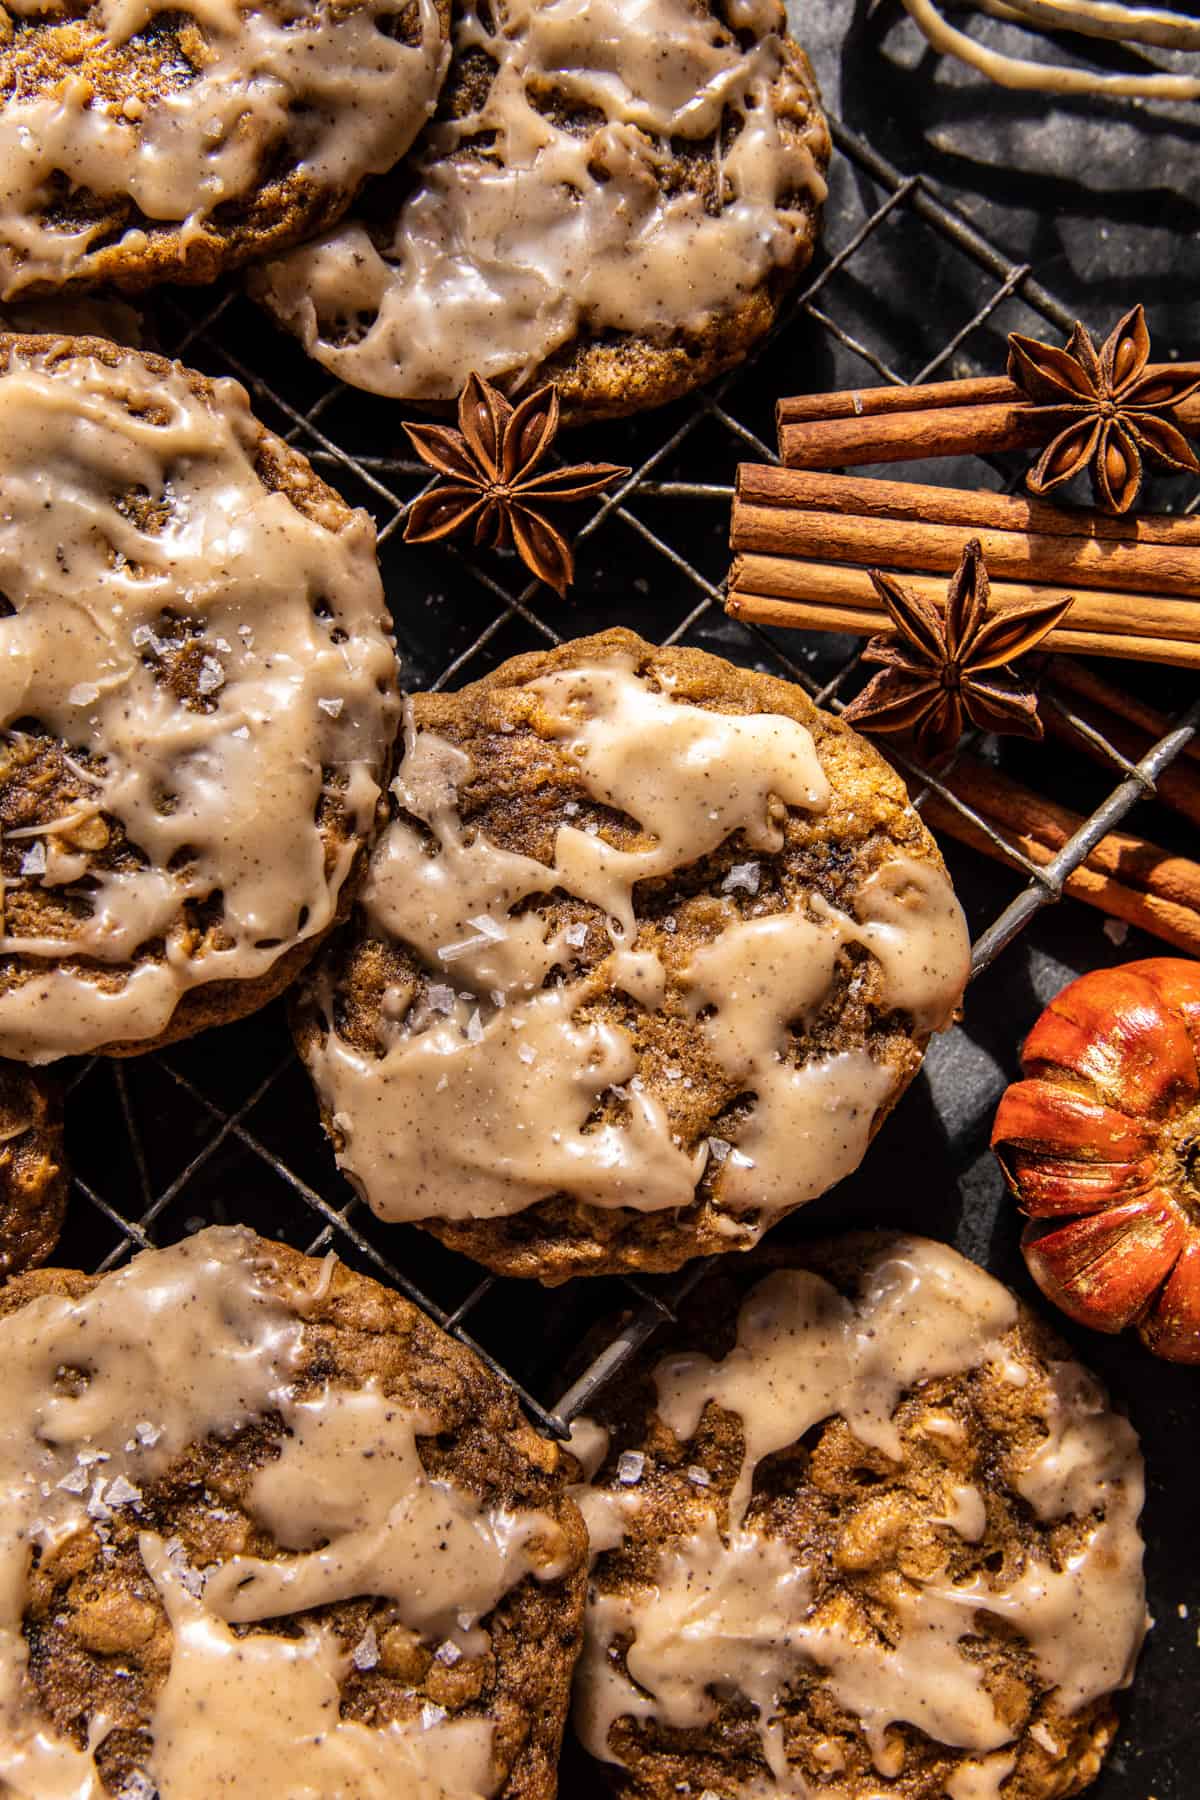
point(1101, 1145)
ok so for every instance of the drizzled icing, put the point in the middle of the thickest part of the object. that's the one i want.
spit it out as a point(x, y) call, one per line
point(498, 257)
point(332, 86)
point(736, 1606)
point(482, 1097)
point(282, 616)
point(197, 1340)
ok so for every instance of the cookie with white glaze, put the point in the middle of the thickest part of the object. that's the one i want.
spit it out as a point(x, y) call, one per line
point(197, 701)
point(268, 1531)
point(901, 1527)
point(614, 198)
point(647, 952)
point(139, 146)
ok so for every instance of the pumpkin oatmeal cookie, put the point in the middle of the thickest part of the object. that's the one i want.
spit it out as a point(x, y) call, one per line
point(648, 951)
point(287, 1538)
point(878, 1539)
point(613, 198)
point(197, 701)
point(141, 145)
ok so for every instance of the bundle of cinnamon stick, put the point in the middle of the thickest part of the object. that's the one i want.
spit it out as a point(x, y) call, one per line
point(804, 541)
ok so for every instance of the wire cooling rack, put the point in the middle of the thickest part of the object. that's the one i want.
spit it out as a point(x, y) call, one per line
point(224, 1127)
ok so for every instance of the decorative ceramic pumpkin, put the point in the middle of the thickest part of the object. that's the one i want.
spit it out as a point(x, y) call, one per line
point(1101, 1145)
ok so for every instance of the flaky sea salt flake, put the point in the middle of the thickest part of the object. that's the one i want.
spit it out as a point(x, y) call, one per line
point(332, 707)
point(742, 875)
point(488, 927)
point(211, 676)
point(137, 1786)
point(576, 935)
point(448, 1653)
point(464, 947)
point(83, 693)
point(630, 1465)
point(122, 1492)
point(431, 1715)
point(366, 1652)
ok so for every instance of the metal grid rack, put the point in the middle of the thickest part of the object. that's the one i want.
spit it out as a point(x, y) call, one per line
point(225, 1126)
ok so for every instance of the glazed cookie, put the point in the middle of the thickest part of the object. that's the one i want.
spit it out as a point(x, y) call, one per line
point(197, 694)
point(613, 197)
point(878, 1542)
point(33, 1181)
point(648, 951)
point(140, 145)
point(267, 1530)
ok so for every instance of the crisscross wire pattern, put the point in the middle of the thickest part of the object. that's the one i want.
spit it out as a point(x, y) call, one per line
point(225, 1127)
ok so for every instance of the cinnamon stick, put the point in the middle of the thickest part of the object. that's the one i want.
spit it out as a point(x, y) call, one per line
point(798, 594)
point(923, 544)
point(976, 510)
point(945, 418)
point(1124, 876)
point(858, 403)
point(912, 436)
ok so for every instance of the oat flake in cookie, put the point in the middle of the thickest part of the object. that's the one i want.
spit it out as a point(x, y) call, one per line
point(879, 1539)
point(140, 144)
point(647, 952)
point(197, 696)
point(268, 1532)
point(614, 196)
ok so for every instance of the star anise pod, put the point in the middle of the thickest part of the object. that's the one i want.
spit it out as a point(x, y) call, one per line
point(940, 668)
point(488, 465)
point(1104, 409)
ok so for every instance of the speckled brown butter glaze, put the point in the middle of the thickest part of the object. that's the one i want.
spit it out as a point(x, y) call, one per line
point(197, 701)
point(139, 146)
point(876, 1540)
point(267, 1531)
point(614, 196)
point(648, 950)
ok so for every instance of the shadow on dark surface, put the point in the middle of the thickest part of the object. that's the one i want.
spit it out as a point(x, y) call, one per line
point(1072, 185)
